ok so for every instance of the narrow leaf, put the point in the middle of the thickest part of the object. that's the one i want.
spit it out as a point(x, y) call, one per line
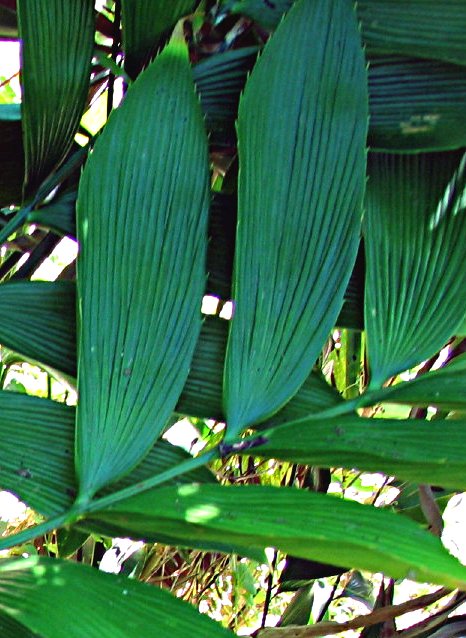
point(432, 452)
point(414, 284)
point(57, 43)
point(302, 130)
point(145, 23)
point(304, 524)
point(91, 603)
point(139, 327)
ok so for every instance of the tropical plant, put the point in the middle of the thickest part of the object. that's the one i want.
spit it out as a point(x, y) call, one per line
point(261, 200)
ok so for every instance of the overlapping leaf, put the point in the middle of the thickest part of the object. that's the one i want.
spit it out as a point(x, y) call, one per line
point(432, 452)
point(57, 44)
point(301, 129)
point(142, 216)
point(37, 319)
point(414, 283)
point(304, 524)
point(145, 23)
point(416, 104)
point(89, 602)
point(420, 28)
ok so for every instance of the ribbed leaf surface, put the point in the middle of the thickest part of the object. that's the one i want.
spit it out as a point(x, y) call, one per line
point(444, 388)
point(38, 320)
point(304, 524)
point(142, 223)
point(432, 452)
point(144, 24)
point(416, 105)
point(302, 130)
point(36, 454)
point(57, 44)
point(11, 628)
point(61, 599)
point(419, 28)
point(415, 274)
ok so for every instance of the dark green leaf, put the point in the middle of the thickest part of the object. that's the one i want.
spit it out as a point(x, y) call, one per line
point(305, 524)
point(139, 327)
point(11, 628)
point(432, 452)
point(297, 237)
point(416, 105)
point(61, 599)
point(145, 24)
point(414, 285)
point(59, 214)
point(11, 155)
point(38, 320)
point(267, 14)
point(57, 44)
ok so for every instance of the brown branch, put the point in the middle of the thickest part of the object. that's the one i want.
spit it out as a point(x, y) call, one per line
point(378, 616)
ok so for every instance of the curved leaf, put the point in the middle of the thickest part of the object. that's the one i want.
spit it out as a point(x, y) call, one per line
point(304, 524)
point(57, 44)
point(431, 452)
point(139, 326)
point(38, 320)
point(414, 284)
point(420, 28)
point(301, 182)
point(416, 105)
point(144, 24)
point(89, 602)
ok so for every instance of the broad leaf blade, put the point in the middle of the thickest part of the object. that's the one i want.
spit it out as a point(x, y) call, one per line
point(301, 182)
point(416, 105)
point(91, 603)
point(57, 44)
point(419, 28)
point(304, 524)
point(145, 23)
point(11, 628)
point(431, 452)
point(38, 320)
point(415, 276)
point(141, 269)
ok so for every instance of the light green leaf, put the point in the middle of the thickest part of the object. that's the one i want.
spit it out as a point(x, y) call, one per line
point(302, 130)
point(443, 388)
point(147, 228)
point(91, 603)
point(414, 284)
point(37, 319)
point(145, 25)
point(416, 105)
point(57, 44)
point(419, 28)
point(301, 523)
point(432, 452)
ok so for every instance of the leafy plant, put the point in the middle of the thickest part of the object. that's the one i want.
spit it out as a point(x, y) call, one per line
point(302, 226)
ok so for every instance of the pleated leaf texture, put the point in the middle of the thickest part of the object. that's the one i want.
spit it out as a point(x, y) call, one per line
point(57, 46)
point(305, 524)
point(142, 225)
point(88, 602)
point(421, 28)
point(415, 271)
point(302, 128)
point(144, 24)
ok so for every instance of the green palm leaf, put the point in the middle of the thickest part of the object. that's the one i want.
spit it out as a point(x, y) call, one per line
point(145, 23)
point(91, 603)
point(57, 44)
point(37, 320)
point(414, 284)
point(432, 452)
point(11, 628)
point(304, 524)
point(301, 129)
point(416, 105)
point(420, 28)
